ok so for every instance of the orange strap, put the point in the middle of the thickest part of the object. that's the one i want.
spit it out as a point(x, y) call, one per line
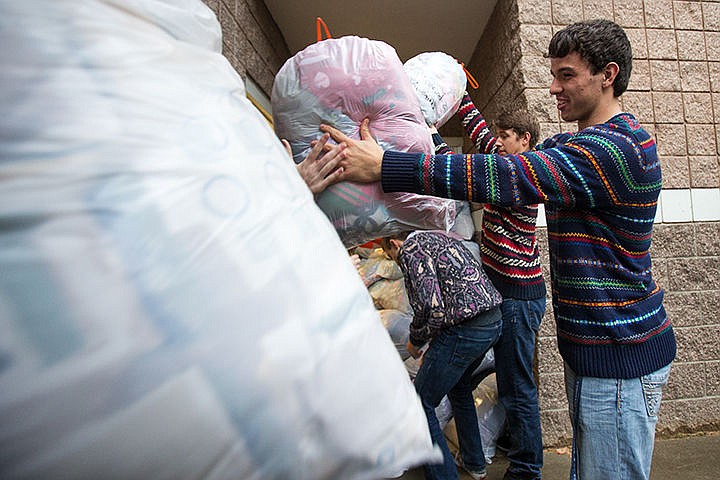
point(473, 83)
point(371, 244)
point(319, 26)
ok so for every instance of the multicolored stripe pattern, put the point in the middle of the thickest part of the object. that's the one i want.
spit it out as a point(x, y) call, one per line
point(475, 125)
point(508, 245)
point(600, 188)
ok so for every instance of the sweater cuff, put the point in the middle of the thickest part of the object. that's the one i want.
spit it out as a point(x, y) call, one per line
point(399, 172)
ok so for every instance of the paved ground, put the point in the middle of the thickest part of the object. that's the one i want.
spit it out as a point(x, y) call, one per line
point(688, 458)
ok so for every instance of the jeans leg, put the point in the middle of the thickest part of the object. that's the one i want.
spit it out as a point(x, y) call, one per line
point(461, 395)
point(640, 406)
point(447, 362)
point(573, 386)
point(432, 383)
point(613, 424)
point(514, 354)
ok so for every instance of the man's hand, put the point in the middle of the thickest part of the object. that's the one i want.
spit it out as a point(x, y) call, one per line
point(319, 170)
point(361, 159)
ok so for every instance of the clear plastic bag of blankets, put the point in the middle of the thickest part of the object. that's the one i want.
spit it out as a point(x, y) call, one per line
point(340, 82)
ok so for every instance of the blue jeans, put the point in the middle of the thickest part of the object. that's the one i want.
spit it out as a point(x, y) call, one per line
point(447, 369)
point(613, 424)
point(514, 354)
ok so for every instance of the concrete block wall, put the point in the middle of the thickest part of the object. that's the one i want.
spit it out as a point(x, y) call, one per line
point(252, 41)
point(686, 260)
point(494, 64)
point(686, 264)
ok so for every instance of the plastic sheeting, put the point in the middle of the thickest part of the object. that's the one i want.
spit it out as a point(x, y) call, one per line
point(490, 414)
point(397, 324)
point(164, 312)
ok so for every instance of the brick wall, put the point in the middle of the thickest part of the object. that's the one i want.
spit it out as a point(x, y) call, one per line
point(252, 41)
point(675, 91)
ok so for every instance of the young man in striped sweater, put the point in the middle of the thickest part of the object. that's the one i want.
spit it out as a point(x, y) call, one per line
point(600, 188)
point(510, 257)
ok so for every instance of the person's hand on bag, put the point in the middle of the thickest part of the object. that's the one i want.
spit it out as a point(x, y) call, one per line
point(320, 168)
point(361, 160)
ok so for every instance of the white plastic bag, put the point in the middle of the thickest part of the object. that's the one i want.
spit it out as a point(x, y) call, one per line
point(439, 82)
point(397, 324)
point(490, 414)
point(463, 226)
point(163, 309)
point(340, 82)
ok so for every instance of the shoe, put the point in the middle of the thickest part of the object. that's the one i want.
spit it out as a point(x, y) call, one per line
point(475, 474)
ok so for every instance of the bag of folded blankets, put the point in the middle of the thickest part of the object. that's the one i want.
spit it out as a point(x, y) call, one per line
point(159, 317)
point(340, 82)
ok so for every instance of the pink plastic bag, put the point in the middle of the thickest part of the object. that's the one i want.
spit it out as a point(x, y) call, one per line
point(340, 82)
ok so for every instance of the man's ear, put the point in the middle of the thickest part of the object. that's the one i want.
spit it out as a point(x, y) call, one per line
point(610, 71)
point(525, 139)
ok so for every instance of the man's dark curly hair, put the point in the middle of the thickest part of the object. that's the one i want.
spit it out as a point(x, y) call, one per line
point(599, 42)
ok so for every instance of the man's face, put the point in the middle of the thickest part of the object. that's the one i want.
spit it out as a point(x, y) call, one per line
point(577, 91)
point(509, 142)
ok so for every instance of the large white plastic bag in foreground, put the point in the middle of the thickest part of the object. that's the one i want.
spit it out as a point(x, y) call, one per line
point(163, 308)
point(340, 82)
point(439, 82)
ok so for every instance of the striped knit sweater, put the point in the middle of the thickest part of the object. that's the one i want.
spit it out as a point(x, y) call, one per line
point(600, 188)
point(509, 246)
